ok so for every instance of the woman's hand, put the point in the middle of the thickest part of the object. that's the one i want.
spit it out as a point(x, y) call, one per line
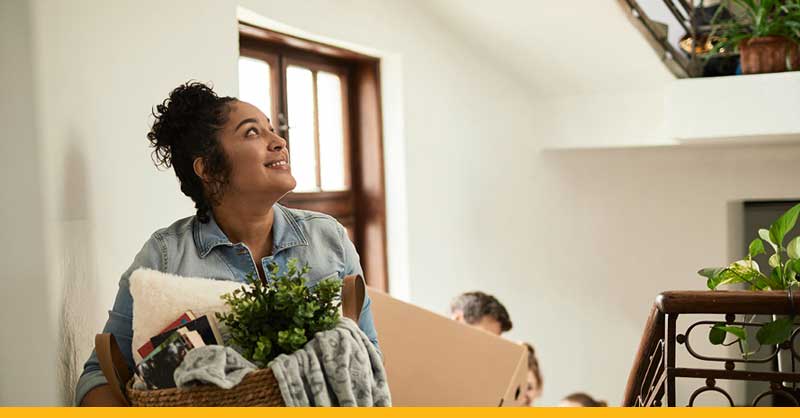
point(101, 396)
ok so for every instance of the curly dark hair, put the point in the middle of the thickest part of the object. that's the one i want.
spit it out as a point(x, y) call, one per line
point(186, 126)
point(476, 305)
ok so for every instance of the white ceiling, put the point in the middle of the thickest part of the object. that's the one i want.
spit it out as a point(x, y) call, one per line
point(556, 47)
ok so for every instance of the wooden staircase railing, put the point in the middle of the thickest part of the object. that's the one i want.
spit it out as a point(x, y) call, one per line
point(654, 372)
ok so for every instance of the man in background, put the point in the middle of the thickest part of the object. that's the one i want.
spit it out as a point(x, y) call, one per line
point(482, 311)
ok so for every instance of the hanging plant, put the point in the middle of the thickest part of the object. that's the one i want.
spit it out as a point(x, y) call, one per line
point(784, 267)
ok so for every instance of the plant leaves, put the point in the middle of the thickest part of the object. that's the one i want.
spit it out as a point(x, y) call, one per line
point(783, 225)
point(774, 260)
point(280, 315)
point(756, 248)
point(739, 332)
point(716, 335)
point(764, 234)
point(793, 267)
point(710, 272)
point(774, 281)
point(746, 271)
point(718, 332)
point(718, 277)
point(793, 248)
point(775, 332)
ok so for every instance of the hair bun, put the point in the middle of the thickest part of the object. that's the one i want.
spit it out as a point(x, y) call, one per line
point(176, 116)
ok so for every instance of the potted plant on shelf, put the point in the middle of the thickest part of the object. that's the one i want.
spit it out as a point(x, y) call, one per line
point(785, 268)
point(766, 33)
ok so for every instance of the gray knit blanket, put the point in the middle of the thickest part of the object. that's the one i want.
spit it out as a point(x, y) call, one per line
point(215, 364)
point(339, 367)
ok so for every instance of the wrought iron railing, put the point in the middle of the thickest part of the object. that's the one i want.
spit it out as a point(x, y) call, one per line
point(684, 59)
point(652, 381)
point(656, 33)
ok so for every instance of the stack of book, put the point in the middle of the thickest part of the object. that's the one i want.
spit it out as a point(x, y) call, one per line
point(163, 353)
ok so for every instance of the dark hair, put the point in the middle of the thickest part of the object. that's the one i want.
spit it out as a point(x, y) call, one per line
point(584, 399)
point(533, 365)
point(476, 305)
point(186, 126)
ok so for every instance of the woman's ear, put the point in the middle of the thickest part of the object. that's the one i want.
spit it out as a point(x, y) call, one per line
point(457, 316)
point(199, 168)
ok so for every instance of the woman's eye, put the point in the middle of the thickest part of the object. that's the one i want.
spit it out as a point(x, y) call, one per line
point(251, 132)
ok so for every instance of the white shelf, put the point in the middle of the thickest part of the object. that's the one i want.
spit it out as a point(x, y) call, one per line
point(760, 108)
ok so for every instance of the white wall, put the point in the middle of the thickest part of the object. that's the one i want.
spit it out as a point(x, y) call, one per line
point(99, 68)
point(28, 333)
point(623, 118)
point(618, 227)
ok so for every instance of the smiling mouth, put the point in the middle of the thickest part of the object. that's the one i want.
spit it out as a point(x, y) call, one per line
point(277, 164)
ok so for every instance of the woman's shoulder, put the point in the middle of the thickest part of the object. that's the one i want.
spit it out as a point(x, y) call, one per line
point(178, 229)
point(159, 252)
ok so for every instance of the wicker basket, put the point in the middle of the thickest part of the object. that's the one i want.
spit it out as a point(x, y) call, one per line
point(258, 388)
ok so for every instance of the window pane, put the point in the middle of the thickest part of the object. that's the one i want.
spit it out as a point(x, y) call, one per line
point(331, 133)
point(254, 85)
point(300, 101)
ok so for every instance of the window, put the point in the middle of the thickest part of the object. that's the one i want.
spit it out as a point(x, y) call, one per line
point(326, 102)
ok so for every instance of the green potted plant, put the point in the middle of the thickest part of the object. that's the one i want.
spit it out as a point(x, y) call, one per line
point(766, 33)
point(280, 315)
point(783, 276)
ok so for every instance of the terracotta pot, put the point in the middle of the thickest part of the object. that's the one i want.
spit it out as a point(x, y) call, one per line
point(769, 54)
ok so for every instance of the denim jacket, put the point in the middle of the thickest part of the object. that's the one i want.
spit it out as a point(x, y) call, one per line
point(194, 249)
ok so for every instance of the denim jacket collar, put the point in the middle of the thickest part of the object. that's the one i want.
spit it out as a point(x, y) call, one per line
point(286, 233)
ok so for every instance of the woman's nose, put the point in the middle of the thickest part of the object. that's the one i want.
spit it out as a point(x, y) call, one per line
point(276, 143)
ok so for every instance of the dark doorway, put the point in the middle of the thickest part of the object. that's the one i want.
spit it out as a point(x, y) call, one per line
point(757, 215)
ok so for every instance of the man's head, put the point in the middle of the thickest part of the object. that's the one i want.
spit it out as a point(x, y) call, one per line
point(481, 310)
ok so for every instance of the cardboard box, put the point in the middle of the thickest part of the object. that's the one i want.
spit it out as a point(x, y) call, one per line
point(432, 360)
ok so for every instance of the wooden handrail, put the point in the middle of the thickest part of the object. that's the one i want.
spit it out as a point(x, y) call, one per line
point(700, 302)
point(653, 332)
point(728, 301)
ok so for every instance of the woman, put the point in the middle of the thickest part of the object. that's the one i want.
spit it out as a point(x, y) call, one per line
point(535, 383)
point(233, 165)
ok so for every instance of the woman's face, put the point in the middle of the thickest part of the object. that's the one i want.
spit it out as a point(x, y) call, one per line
point(258, 157)
point(532, 391)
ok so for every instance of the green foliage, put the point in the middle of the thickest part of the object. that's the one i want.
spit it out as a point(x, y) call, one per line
point(266, 320)
point(756, 248)
point(784, 260)
point(718, 332)
point(785, 265)
point(754, 19)
point(783, 225)
point(717, 335)
point(775, 332)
